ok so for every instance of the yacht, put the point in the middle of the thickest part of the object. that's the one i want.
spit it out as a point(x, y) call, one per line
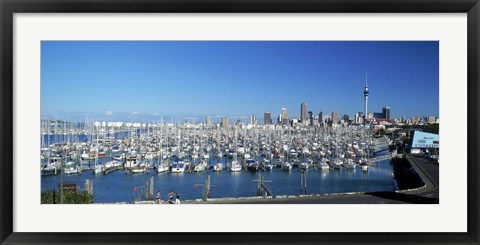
point(178, 167)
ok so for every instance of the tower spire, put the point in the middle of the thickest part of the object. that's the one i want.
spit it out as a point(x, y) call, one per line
point(365, 97)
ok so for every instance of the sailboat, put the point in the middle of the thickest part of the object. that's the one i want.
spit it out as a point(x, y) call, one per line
point(350, 164)
point(252, 166)
point(199, 167)
point(98, 168)
point(324, 164)
point(161, 167)
point(235, 165)
point(218, 166)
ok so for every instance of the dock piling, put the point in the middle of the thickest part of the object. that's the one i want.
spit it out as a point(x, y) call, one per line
point(151, 188)
point(259, 185)
point(207, 189)
point(303, 182)
point(89, 186)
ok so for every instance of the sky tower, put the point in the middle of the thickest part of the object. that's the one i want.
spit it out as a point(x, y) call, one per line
point(365, 95)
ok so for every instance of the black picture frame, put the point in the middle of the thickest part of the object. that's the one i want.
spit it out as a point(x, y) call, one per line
point(9, 7)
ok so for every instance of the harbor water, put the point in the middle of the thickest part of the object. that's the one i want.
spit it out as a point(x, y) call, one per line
point(119, 186)
point(122, 186)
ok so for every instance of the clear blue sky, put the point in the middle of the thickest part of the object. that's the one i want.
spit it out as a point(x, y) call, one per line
point(127, 80)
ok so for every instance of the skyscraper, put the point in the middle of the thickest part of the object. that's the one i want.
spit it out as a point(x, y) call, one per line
point(253, 119)
point(303, 113)
point(224, 122)
point(267, 118)
point(365, 95)
point(335, 117)
point(310, 118)
point(284, 116)
point(359, 117)
point(208, 122)
point(386, 112)
point(320, 117)
point(284, 113)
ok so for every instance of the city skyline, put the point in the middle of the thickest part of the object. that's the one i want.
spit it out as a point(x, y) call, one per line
point(128, 80)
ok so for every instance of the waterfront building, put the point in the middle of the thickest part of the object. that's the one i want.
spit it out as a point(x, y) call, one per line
point(303, 113)
point(422, 140)
point(386, 112)
point(224, 123)
point(267, 118)
point(335, 118)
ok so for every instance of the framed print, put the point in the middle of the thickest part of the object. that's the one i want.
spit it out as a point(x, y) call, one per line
point(264, 121)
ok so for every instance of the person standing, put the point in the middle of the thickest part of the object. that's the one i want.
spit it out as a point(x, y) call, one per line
point(177, 200)
point(170, 198)
point(159, 200)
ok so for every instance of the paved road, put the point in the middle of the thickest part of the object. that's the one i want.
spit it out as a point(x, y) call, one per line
point(429, 171)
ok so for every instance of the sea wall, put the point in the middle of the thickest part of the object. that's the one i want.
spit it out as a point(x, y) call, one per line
point(405, 175)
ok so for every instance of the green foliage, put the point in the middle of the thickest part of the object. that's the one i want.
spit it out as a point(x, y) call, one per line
point(428, 128)
point(432, 128)
point(70, 197)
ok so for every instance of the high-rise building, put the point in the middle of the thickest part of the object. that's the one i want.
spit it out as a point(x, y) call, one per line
point(208, 122)
point(267, 118)
point(335, 117)
point(284, 113)
point(359, 117)
point(253, 119)
point(320, 117)
point(284, 117)
point(303, 113)
point(378, 115)
point(414, 120)
point(386, 112)
point(310, 118)
point(224, 122)
point(365, 96)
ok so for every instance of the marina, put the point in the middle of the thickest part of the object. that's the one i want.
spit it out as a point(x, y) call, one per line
point(181, 130)
point(180, 157)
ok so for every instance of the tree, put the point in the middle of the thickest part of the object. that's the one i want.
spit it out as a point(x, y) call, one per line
point(70, 197)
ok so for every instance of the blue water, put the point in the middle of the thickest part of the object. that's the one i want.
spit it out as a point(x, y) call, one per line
point(119, 186)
